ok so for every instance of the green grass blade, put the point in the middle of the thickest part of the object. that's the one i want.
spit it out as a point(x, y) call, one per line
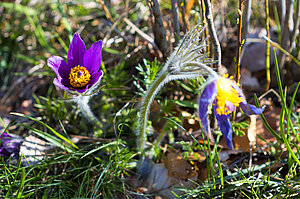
point(276, 45)
point(99, 181)
point(267, 125)
point(221, 175)
point(101, 147)
point(22, 182)
point(289, 122)
point(283, 112)
point(55, 141)
point(48, 127)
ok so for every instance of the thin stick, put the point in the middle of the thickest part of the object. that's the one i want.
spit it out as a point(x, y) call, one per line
point(286, 31)
point(206, 29)
point(142, 34)
point(268, 76)
point(296, 25)
point(238, 58)
point(276, 45)
point(175, 20)
point(182, 10)
point(106, 11)
point(201, 11)
point(212, 32)
point(246, 19)
point(158, 28)
point(246, 23)
point(283, 10)
point(111, 29)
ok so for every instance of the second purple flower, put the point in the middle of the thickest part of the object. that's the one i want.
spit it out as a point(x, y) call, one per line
point(9, 144)
point(225, 95)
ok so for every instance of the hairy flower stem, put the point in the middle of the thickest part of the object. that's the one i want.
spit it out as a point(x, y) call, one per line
point(87, 112)
point(153, 90)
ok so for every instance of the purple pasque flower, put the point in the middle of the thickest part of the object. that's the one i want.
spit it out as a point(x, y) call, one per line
point(225, 95)
point(81, 72)
point(9, 145)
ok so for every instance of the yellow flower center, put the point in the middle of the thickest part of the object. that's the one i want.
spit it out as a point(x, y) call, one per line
point(226, 94)
point(79, 77)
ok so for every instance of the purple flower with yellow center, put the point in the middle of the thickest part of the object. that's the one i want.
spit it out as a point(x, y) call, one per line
point(224, 94)
point(9, 144)
point(81, 72)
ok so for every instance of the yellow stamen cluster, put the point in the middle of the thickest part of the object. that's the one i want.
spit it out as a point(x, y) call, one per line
point(225, 92)
point(79, 77)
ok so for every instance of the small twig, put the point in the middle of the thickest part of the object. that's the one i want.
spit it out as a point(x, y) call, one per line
point(143, 35)
point(246, 19)
point(206, 29)
point(13, 89)
point(240, 44)
point(113, 27)
point(246, 24)
point(270, 91)
point(92, 138)
point(134, 51)
point(127, 8)
point(212, 32)
point(158, 28)
point(107, 14)
point(268, 76)
point(286, 31)
point(201, 11)
point(250, 156)
point(175, 20)
point(296, 26)
point(282, 8)
point(115, 30)
point(276, 45)
point(182, 10)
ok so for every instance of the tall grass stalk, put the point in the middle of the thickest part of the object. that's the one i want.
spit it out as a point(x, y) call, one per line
point(240, 41)
point(285, 113)
point(276, 45)
point(268, 76)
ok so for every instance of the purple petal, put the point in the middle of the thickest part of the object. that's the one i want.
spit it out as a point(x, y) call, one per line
point(13, 145)
point(225, 127)
point(238, 89)
point(5, 138)
point(59, 84)
point(250, 109)
point(92, 58)
point(62, 70)
point(9, 144)
point(95, 78)
point(207, 97)
point(76, 51)
point(58, 65)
